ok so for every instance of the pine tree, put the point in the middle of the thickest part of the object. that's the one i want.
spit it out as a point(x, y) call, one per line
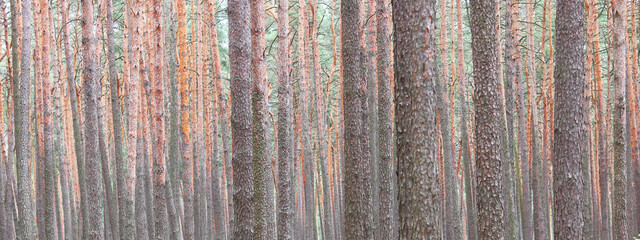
point(568, 115)
point(488, 121)
point(241, 110)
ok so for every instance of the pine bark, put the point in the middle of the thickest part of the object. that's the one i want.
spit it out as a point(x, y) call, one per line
point(43, 80)
point(387, 224)
point(285, 201)
point(187, 161)
point(95, 209)
point(241, 121)
point(265, 225)
point(488, 121)
point(22, 92)
point(619, 224)
point(419, 185)
point(568, 114)
point(357, 184)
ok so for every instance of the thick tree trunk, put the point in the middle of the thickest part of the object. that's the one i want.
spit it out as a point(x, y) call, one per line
point(26, 228)
point(95, 208)
point(619, 9)
point(357, 183)
point(285, 201)
point(156, 100)
point(241, 121)
point(387, 223)
point(419, 185)
point(488, 121)
point(568, 115)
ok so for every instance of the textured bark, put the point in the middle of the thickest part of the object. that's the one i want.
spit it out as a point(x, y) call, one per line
point(603, 148)
point(619, 224)
point(488, 120)
point(173, 151)
point(419, 185)
point(226, 158)
point(111, 219)
point(26, 228)
point(369, 29)
point(43, 80)
point(386, 225)
point(126, 204)
point(285, 201)
point(357, 195)
point(142, 229)
point(511, 78)
point(265, 226)
point(187, 161)
point(90, 74)
point(156, 100)
point(217, 176)
point(568, 115)
point(11, 208)
point(241, 121)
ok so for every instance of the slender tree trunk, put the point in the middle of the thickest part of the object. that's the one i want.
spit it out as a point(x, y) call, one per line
point(26, 228)
point(419, 194)
point(568, 115)
point(125, 220)
point(619, 9)
point(142, 229)
point(43, 80)
point(173, 163)
point(285, 201)
point(14, 72)
point(187, 164)
point(241, 121)
point(265, 225)
point(226, 157)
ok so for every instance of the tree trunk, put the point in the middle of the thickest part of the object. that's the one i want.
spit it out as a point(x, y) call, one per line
point(487, 127)
point(43, 81)
point(619, 9)
point(22, 92)
point(241, 121)
point(156, 100)
point(285, 201)
point(357, 196)
point(419, 192)
point(142, 229)
point(568, 115)
point(187, 164)
point(386, 224)
point(226, 157)
point(95, 209)
point(265, 225)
